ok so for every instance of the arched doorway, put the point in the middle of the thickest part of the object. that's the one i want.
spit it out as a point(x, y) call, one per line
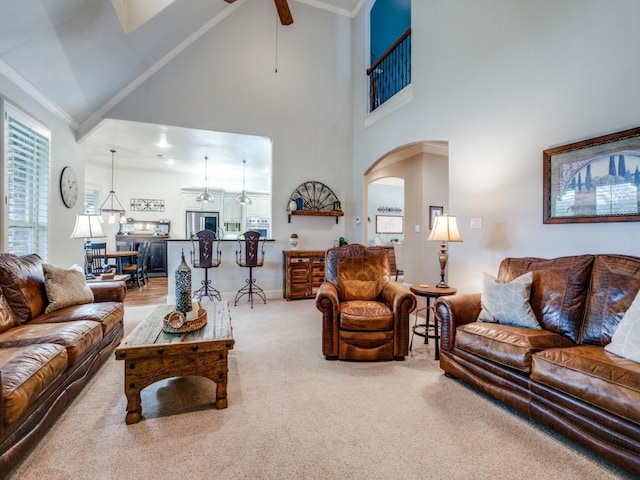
point(423, 168)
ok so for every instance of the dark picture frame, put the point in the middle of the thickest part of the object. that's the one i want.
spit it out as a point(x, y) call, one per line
point(389, 224)
point(434, 211)
point(593, 180)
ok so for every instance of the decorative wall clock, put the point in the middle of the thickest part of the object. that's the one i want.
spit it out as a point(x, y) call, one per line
point(69, 187)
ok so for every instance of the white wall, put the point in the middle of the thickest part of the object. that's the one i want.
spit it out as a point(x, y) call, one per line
point(63, 151)
point(502, 80)
point(226, 82)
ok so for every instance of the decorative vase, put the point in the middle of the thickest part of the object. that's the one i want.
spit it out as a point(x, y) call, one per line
point(183, 286)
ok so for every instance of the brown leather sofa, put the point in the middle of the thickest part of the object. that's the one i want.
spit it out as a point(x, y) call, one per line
point(46, 358)
point(560, 376)
point(364, 315)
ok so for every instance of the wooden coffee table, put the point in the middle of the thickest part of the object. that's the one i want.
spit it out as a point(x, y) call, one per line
point(151, 355)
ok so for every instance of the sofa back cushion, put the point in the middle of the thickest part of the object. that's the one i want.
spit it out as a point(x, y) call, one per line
point(358, 272)
point(615, 281)
point(559, 290)
point(7, 319)
point(22, 284)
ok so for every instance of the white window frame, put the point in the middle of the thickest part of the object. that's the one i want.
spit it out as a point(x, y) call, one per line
point(40, 206)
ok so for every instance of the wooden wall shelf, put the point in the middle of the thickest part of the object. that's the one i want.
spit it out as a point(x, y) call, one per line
point(317, 213)
point(314, 199)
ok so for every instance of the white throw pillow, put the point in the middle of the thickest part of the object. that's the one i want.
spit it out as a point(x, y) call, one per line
point(508, 303)
point(626, 339)
point(65, 287)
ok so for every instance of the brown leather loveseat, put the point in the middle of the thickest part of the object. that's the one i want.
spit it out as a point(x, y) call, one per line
point(46, 358)
point(559, 375)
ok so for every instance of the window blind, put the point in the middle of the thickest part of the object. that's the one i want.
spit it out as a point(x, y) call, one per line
point(27, 173)
point(91, 199)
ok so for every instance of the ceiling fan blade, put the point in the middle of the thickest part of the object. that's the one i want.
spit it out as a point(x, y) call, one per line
point(283, 11)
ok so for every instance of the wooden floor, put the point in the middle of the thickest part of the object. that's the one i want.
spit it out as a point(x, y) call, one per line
point(153, 293)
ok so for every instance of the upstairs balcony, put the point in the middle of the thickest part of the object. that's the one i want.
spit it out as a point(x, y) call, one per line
point(391, 72)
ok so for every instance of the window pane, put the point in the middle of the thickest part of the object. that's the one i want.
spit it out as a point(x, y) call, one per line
point(27, 171)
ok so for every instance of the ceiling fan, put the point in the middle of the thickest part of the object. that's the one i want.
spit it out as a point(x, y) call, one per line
point(283, 11)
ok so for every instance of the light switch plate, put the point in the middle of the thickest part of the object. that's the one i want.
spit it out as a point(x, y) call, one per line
point(476, 223)
point(417, 228)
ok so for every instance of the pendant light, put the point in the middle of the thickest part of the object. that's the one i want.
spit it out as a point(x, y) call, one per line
point(205, 196)
point(112, 200)
point(243, 198)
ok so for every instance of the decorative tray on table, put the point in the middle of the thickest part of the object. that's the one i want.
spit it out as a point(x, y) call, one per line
point(176, 322)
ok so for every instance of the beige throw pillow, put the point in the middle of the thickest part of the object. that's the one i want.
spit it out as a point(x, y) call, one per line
point(508, 303)
point(626, 339)
point(65, 287)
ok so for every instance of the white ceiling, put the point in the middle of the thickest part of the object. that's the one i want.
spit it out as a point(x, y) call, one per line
point(75, 55)
point(158, 148)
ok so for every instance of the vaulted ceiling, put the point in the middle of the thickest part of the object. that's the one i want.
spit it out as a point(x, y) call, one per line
point(76, 55)
point(80, 57)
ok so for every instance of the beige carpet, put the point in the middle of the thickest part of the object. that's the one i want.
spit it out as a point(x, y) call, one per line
point(294, 415)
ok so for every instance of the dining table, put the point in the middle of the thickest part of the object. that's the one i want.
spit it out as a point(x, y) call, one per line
point(119, 255)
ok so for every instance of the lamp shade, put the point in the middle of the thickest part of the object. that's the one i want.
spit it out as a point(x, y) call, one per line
point(445, 229)
point(87, 226)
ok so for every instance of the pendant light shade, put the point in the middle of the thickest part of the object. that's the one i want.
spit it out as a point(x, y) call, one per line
point(111, 204)
point(243, 198)
point(205, 196)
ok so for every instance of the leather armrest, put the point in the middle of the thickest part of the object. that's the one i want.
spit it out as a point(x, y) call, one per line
point(327, 302)
point(452, 311)
point(108, 291)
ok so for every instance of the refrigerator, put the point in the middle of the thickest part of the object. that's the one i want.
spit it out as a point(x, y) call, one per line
point(197, 220)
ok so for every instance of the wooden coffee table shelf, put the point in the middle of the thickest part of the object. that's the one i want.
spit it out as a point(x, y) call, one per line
point(151, 355)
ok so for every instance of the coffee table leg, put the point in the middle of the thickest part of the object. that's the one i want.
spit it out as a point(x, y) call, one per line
point(134, 402)
point(221, 390)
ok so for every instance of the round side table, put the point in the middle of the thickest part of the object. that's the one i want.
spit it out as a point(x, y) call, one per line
point(422, 329)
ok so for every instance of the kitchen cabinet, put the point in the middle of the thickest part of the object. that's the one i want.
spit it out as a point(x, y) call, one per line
point(231, 211)
point(158, 250)
point(303, 273)
point(260, 206)
point(158, 259)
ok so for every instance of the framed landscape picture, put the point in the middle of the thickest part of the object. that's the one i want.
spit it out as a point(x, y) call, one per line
point(595, 180)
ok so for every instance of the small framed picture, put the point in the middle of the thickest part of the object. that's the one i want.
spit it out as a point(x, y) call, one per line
point(434, 211)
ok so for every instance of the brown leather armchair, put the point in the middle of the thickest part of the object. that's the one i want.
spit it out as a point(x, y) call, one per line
point(364, 315)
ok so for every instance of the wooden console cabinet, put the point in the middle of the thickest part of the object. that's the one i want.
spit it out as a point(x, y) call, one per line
point(302, 273)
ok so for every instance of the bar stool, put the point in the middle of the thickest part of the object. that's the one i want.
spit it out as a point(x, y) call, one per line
point(206, 259)
point(250, 254)
point(424, 329)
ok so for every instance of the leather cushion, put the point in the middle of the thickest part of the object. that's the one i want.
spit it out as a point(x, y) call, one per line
point(615, 281)
point(22, 283)
point(107, 314)
point(7, 318)
point(364, 315)
point(559, 290)
point(358, 272)
point(26, 373)
point(79, 338)
point(593, 375)
point(506, 344)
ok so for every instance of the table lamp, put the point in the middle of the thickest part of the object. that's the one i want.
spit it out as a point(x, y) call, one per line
point(445, 229)
point(87, 227)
